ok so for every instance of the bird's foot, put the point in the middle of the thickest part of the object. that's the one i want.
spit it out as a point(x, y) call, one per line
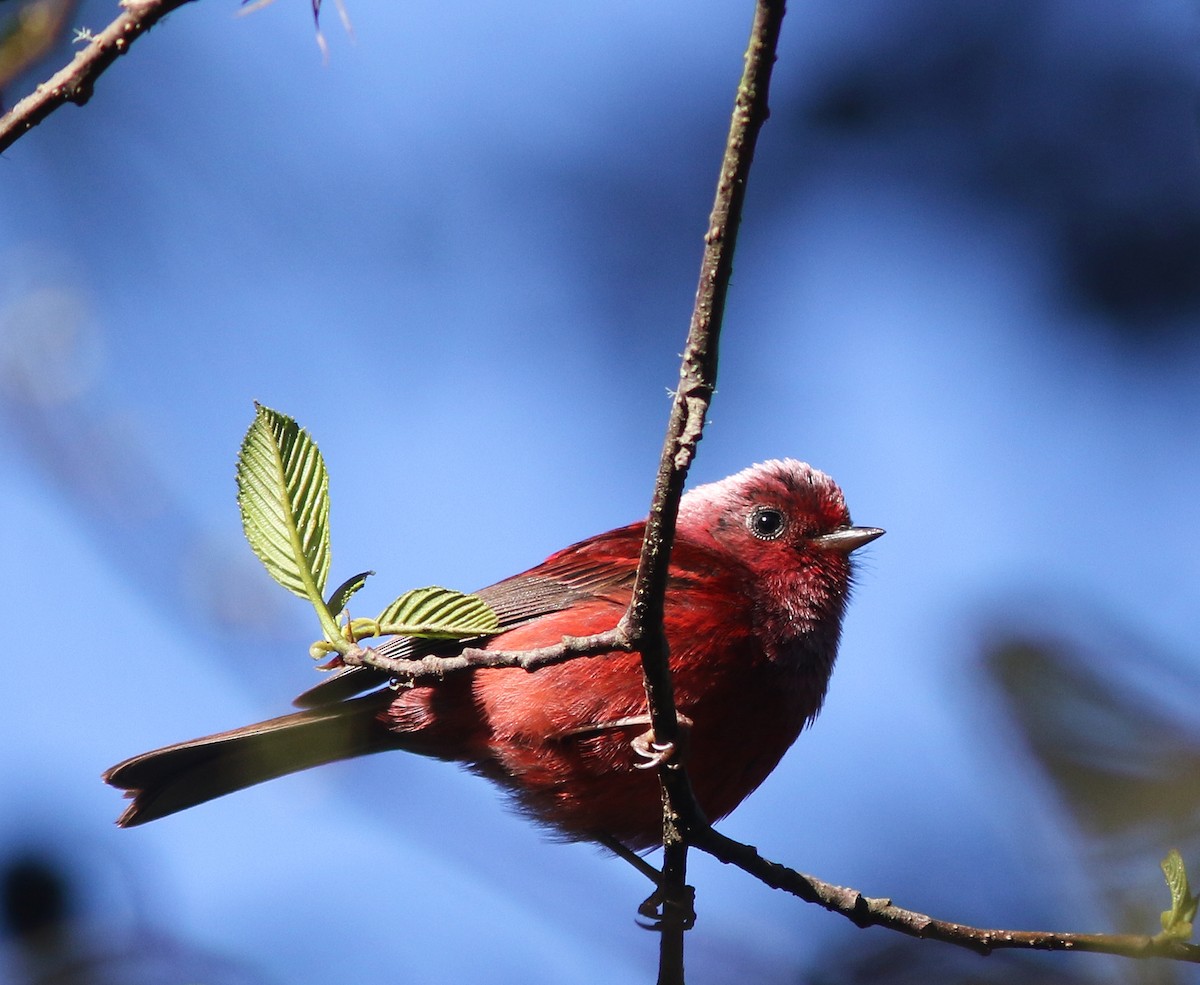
point(662, 909)
point(657, 753)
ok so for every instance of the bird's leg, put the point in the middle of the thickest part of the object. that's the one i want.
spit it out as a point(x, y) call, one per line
point(659, 907)
point(662, 910)
point(645, 745)
point(633, 858)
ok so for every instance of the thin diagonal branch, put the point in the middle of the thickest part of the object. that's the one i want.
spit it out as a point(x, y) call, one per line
point(876, 912)
point(74, 83)
point(698, 372)
point(643, 622)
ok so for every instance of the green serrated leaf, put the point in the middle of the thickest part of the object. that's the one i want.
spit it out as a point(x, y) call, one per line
point(1177, 921)
point(341, 594)
point(283, 494)
point(438, 613)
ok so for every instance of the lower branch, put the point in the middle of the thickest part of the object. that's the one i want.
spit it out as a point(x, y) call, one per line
point(877, 912)
point(74, 83)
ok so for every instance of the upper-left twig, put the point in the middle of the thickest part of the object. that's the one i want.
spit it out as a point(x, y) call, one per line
point(74, 83)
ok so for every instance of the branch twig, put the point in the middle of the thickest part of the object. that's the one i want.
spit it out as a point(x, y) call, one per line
point(866, 911)
point(418, 670)
point(74, 83)
point(698, 372)
point(643, 622)
point(697, 381)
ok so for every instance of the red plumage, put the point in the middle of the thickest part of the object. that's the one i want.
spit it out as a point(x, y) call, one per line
point(759, 579)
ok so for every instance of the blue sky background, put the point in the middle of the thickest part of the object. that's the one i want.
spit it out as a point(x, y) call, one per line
point(463, 255)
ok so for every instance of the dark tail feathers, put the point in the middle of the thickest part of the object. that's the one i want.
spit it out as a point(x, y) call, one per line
point(180, 776)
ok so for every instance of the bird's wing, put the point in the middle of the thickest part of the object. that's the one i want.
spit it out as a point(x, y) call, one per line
point(581, 572)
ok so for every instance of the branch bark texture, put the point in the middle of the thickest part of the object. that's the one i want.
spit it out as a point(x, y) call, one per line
point(866, 911)
point(698, 372)
point(75, 82)
point(643, 622)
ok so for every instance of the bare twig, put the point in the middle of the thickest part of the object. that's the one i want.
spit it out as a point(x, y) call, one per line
point(419, 670)
point(875, 912)
point(698, 372)
point(643, 622)
point(74, 83)
point(676, 905)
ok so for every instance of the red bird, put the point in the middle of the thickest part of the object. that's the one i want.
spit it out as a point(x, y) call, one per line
point(759, 578)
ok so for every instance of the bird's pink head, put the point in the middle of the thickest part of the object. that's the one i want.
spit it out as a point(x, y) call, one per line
point(787, 524)
point(809, 502)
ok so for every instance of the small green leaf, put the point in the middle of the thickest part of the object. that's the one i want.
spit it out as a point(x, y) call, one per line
point(438, 613)
point(1177, 921)
point(341, 594)
point(283, 493)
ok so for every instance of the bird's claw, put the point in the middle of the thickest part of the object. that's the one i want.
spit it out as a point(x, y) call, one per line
point(654, 753)
point(661, 910)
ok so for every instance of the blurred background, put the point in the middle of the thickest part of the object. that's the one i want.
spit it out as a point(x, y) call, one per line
point(463, 254)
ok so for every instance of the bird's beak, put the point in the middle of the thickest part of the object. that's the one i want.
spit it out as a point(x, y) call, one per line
point(847, 539)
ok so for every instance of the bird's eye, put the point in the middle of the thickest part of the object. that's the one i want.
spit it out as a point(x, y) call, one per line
point(766, 522)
